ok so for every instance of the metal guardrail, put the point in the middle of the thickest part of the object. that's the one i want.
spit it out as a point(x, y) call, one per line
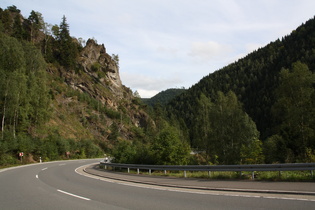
point(211, 168)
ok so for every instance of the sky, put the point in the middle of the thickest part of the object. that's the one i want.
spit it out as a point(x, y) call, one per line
point(166, 44)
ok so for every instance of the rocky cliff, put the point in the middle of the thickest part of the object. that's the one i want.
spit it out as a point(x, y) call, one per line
point(94, 59)
point(98, 75)
point(91, 101)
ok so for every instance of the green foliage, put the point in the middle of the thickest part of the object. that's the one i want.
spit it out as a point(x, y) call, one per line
point(114, 132)
point(224, 131)
point(18, 30)
point(231, 130)
point(168, 149)
point(7, 159)
point(124, 152)
point(96, 66)
point(67, 49)
point(252, 153)
point(115, 57)
point(24, 97)
point(294, 110)
point(88, 149)
point(165, 149)
point(13, 8)
point(36, 23)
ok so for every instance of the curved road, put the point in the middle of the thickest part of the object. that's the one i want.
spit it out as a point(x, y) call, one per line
point(57, 185)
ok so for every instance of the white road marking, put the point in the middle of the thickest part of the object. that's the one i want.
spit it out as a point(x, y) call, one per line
point(44, 169)
point(36, 176)
point(77, 196)
point(280, 197)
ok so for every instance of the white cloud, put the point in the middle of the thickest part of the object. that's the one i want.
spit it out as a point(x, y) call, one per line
point(147, 84)
point(250, 47)
point(147, 93)
point(208, 50)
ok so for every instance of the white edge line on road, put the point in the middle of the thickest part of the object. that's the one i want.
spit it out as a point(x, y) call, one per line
point(77, 196)
point(184, 191)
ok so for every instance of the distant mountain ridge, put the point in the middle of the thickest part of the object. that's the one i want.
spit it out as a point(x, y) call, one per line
point(164, 97)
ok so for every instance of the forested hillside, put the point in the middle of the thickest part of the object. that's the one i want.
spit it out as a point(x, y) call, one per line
point(274, 85)
point(60, 97)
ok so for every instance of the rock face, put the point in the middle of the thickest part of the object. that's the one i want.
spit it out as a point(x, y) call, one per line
point(96, 75)
point(97, 63)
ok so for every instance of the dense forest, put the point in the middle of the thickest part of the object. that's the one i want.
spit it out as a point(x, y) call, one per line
point(274, 86)
point(58, 101)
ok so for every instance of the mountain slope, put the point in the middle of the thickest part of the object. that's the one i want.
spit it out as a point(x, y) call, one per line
point(254, 79)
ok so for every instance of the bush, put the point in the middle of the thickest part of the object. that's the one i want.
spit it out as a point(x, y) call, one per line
point(7, 159)
point(95, 66)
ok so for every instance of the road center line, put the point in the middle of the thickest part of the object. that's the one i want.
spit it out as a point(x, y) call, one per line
point(77, 196)
point(44, 169)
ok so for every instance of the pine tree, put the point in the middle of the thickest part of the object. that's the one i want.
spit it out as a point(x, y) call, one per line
point(67, 48)
point(36, 23)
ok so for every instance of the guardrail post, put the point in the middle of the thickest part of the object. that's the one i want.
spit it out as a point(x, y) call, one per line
point(211, 169)
point(241, 174)
point(185, 174)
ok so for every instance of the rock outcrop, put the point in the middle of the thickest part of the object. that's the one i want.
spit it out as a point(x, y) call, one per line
point(97, 75)
point(97, 63)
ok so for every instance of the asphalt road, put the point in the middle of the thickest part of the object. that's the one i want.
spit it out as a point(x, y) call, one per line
point(57, 185)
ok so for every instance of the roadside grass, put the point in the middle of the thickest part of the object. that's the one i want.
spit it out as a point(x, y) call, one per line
point(292, 176)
